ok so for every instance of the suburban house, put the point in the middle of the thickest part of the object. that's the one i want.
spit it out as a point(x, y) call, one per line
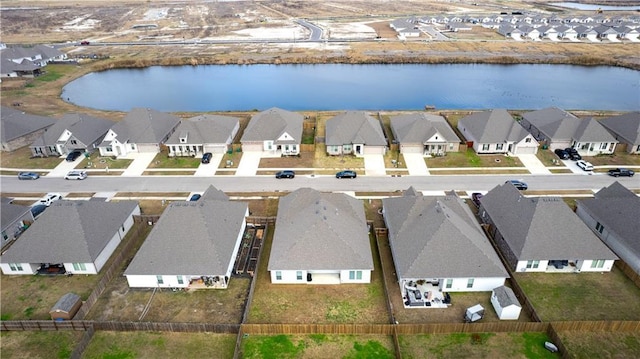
point(560, 129)
point(193, 245)
point(438, 247)
point(14, 219)
point(73, 131)
point(541, 234)
point(18, 61)
point(626, 129)
point(495, 131)
point(613, 216)
point(274, 131)
point(201, 134)
point(71, 237)
point(424, 133)
point(320, 238)
point(141, 131)
point(19, 129)
point(355, 132)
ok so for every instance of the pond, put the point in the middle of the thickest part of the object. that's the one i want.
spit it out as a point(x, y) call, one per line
point(357, 87)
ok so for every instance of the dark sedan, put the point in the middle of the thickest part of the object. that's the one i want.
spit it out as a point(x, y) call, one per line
point(285, 174)
point(562, 154)
point(346, 174)
point(206, 157)
point(73, 155)
point(28, 176)
point(518, 184)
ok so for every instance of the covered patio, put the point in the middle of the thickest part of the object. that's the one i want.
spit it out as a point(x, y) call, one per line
point(422, 293)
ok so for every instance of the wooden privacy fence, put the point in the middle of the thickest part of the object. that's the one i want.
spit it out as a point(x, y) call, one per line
point(628, 271)
point(44, 325)
point(82, 325)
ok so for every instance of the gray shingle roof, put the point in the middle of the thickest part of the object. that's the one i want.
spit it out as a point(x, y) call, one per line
point(626, 126)
point(420, 127)
point(213, 193)
point(436, 237)
point(590, 130)
point(142, 125)
point(618, 209)
point(320, 231)
point(272, 124)
point(15, 124)
point(70, 232)
point(554, 123)
point(506, 296)
point(191, 238)
point(494, 126)
point(87, 129)
point(541, 228)
point(204, 129)
point(354, 127)
point(10, 212)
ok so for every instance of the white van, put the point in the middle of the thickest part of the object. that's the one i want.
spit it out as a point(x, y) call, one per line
point(77, 175)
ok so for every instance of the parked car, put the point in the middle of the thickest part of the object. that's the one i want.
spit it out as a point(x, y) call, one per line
point(475, 197)
point(518, 184)
point(28, 176)
point(73, 155)
point(346, 174)
point(624, 172)
point(84, 42)
point(285, 174)
point(206, 157)
point(37, 210)
point(573, 154)
point(76, 175)
point(194, 197)
point(586, 166)
point(49, 198)
point(562, 154)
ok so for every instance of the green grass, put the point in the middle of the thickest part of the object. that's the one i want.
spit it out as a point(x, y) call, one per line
point(601, 344)
point(36, 344)
point(476, 345)
point(582, 296)
point(163, 161)
point(124, 345)
point(317, 346)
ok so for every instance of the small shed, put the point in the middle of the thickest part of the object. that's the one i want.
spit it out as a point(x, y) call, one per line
point(66, 307)
point(505, 303)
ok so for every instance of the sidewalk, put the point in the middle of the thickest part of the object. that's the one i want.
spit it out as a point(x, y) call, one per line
point(140, 163)
point(64, 167)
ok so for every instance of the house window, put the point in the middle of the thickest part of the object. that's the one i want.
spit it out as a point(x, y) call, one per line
point(485, 147)
point(4, 235)
point(79, 266)
point(449, 283)
point(278, 275)
point(638, 148)
point(527, 140)
point(15, 267)
point(604, 145)
point(499, 146)
point(599, 227)
point(599, 263)
point(299, 275)
point(159, 279)
point(180, 280)
point(533, 264)
point(109, 149)
point(133, 146)
point(470, 283)
point(352, 275)
point(359, 275)
point(74, 142)
point(451, 146)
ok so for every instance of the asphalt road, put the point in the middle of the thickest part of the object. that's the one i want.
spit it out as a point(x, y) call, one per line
point(10, 184)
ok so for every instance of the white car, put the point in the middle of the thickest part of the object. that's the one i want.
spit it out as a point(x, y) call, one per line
point(586, 166)
point(49, 198)
point(77, 175)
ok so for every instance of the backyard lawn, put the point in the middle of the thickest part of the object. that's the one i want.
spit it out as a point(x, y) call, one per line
point(36, 344)
point(153, 345)
point(302, 303)
point(21, 159)
point(317, 346)
point(475, 345)
point(582, 296)
point(601, 344)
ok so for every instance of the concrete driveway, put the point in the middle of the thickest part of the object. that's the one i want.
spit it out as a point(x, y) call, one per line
point(534, 165)
point(64, 167)
point(415, 164)
point(209, 169)
point(374, 165)
point(140, 163)
point(249, 163)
